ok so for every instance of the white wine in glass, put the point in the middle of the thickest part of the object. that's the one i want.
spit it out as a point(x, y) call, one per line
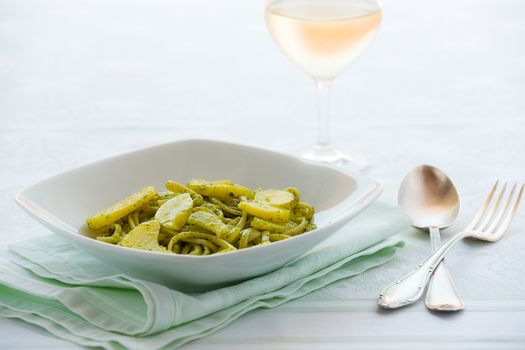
point(323, 37)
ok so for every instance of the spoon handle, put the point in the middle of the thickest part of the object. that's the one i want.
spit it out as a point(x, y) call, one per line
point(410, 288)
point(441, 293)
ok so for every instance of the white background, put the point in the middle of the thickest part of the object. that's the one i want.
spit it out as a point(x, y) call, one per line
point(443, 83)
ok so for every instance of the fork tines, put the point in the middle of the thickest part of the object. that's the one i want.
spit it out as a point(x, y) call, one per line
point(495, 215)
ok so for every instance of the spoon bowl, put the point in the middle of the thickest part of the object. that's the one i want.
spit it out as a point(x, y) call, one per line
point(429, 198)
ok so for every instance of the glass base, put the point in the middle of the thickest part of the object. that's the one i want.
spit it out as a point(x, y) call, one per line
point(327, 154)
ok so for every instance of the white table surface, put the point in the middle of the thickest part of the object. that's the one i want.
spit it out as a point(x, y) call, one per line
point(443, 83)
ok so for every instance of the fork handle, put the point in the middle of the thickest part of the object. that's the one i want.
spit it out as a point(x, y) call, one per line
point(410, 288)
point(441, 293)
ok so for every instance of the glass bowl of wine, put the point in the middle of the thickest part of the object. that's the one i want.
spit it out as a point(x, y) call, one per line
point(323, 37)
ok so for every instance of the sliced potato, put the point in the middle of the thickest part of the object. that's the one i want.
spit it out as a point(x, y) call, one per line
point(174, 213)
point(210, 222)
point(145, 236)
point(124, 207)
point(220, 189)
point(278, 198)
point(265, 211)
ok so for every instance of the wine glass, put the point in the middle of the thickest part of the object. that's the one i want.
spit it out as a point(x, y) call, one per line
point(323, 37)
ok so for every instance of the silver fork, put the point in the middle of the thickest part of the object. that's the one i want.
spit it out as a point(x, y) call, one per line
point(490, 224)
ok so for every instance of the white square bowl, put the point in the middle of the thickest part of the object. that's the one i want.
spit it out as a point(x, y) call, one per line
point(62, 203)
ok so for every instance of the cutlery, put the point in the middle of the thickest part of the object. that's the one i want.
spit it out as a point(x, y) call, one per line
point(490, 224)
point(432, 202)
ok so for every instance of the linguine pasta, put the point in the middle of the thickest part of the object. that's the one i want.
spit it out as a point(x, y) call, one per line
point(202, 218)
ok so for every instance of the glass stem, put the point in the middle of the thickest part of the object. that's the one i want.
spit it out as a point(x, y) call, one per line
point(324, 88)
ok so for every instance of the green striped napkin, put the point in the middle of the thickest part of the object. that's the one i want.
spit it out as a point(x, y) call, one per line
point(53, 284)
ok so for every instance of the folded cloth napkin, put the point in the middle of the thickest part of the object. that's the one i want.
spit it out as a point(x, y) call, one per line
point(53, 284)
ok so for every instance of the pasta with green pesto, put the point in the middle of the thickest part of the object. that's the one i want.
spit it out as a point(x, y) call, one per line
point(203, 218)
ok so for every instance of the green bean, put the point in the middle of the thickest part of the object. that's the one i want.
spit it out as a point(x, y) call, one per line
point(301, 206)
point(261, 224)
point(247, 235)
point(297, 229)
point(226, 208)
point(278, 237)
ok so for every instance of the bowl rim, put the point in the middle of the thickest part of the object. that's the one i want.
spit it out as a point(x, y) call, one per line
point(48, 219)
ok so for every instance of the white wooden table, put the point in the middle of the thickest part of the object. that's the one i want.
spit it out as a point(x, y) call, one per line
point(442, 84)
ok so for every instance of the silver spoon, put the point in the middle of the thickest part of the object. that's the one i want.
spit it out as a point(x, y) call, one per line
point(432, 202)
